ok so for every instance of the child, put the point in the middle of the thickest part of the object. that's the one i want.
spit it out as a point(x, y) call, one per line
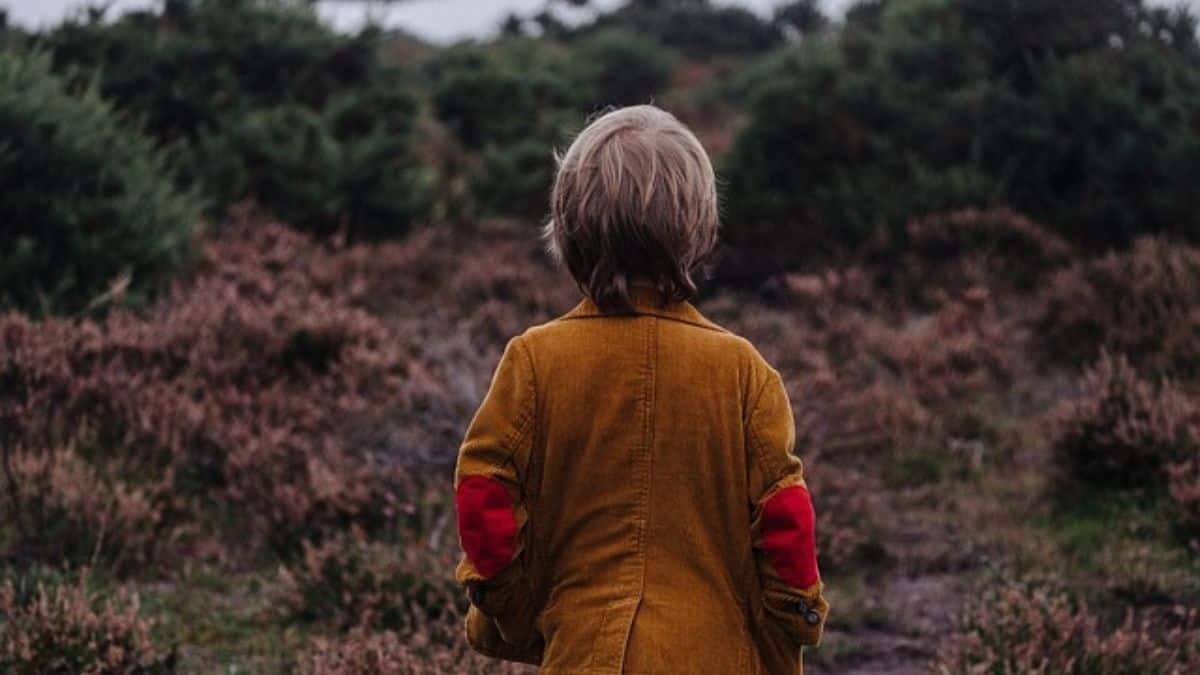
point(628, 501)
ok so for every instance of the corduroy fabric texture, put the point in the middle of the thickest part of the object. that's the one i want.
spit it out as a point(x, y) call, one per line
point(639, 453)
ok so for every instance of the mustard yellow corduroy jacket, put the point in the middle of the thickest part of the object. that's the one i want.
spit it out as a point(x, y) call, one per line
point(628, 502)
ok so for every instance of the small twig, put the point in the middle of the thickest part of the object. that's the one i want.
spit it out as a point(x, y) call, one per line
point(95, 557)
point(435, 539)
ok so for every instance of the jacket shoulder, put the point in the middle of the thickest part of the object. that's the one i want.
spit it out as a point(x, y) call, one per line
point(719, 347)
point(698, 325)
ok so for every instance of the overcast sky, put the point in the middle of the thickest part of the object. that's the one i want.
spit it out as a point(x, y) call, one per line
point(439, 20)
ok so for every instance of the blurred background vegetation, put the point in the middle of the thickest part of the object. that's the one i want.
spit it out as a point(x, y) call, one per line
point(255, 272)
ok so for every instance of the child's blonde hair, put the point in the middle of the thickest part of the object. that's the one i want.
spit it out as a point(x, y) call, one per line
point(634, 198)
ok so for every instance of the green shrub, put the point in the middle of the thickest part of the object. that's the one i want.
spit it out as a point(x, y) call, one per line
point(509, 103)
point(319, 170)
point(260, 100)
point(88, 205)
point(507, 106)
point(227, 415)
point(1104, 148)
point(11, 37)
point(1086, 123)
point(696, 27)
point(514, 180)
point(802, 16)
point(621, 68)
point(518, 90)
point(791, 190)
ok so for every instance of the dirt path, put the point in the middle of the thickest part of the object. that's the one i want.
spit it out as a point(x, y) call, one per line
point(921, 612)
point(901, 616)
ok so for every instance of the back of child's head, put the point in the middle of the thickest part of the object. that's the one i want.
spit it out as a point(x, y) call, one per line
point(634, 199)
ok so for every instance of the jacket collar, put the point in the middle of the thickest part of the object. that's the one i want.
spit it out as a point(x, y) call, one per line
point(646, 302)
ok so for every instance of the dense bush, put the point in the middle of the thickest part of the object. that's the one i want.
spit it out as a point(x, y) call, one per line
point(237, 393)
point(1144, 303)
point(1028, 630)
point(1085, 123)
point(943, 255)
point(65, 629)
point(1184, 488)
point(263, 403)
point(350, 582)
point(60, 509)
point(964, 349)
point(1123, 432)
point(517, 90)
point(326, 171)
point(87, 206)
point(362, 652)
point(804, 17)
point(696, 27)
point(619, 68)
point(508, 106)
point(298, 402)
point(11, 36)
point(876, 387)
point(325, 148)
point(514, 180)
point(511, 103)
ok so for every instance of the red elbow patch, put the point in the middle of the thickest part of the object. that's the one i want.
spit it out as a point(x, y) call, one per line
point(789, 530)
point(487, 526)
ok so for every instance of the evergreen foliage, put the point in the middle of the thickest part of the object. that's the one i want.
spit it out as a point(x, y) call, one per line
point(619, 68)
point(511, 103)
point(698, 28)
point(1086, 120)
point(261, 100)
point(508, 106)
point(803, 16)
point(518, 90)
point(88, 206)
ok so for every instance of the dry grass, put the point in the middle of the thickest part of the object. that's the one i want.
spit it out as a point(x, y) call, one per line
point(1031, 631)
point(265, 452)
point(365, 653)
point(1144, 303)
point(66, 629)
point(1123, 431)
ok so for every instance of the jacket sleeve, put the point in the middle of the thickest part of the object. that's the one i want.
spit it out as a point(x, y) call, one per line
point(492, 514)
point(783, 524)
